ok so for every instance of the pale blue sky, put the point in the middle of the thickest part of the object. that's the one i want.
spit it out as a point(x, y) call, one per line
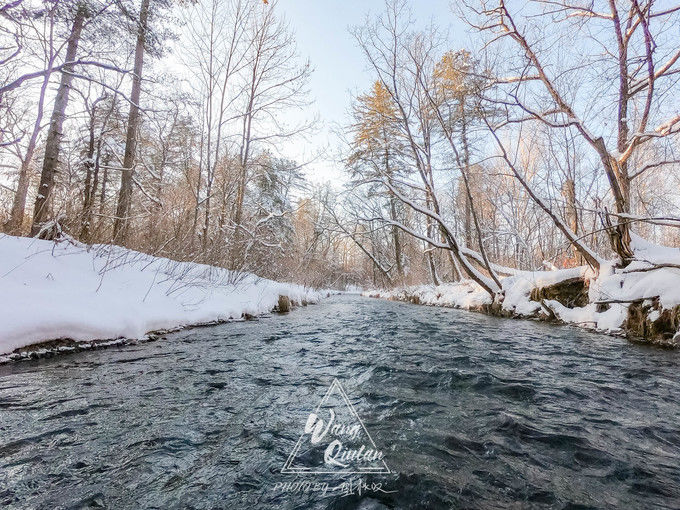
point(321, 30)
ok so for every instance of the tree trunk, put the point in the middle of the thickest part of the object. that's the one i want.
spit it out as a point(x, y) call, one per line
point(55, 133)
point(395, 237)
point(430, 257)
point(236, 252)
point(393, 217)
point(619, 235)
point(456, 274)
point(121, 223)
point(466, 164)
point(569, 194)
point(619, 230)
point(157, 207)
point(16, 220)
point(206, 220)
point(89, 190)
point(105, 182)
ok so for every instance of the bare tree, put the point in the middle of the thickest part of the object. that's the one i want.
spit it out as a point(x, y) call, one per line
point(404, 63)
point(645, 61)
point(44, 33)
point(217, 50)
point(121, 224)
point(273, 82)
point(55, 133)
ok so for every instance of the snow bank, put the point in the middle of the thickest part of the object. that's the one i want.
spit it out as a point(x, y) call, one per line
point(465, 294)
point(469, 295)
point(67, 290)
point(517, 288)
point(653, 279)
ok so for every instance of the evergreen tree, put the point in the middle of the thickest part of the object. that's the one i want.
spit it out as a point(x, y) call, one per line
point(456, 91)
point(376, 148)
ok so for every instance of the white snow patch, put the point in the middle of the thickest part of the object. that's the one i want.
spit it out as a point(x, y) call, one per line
point(465, 294)
point(67, 290)
point(518, 287)
point(640, 280)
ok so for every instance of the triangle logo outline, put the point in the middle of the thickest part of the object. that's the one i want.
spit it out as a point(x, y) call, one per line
point(288, 465)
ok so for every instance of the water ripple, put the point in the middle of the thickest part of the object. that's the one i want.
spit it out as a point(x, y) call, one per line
point(472, 412)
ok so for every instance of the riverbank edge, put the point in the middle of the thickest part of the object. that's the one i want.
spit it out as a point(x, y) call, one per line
point(67, 295)
point(59, 346)
point(646, 322)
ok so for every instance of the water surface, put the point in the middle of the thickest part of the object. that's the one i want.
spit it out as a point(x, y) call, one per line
point(471, 412)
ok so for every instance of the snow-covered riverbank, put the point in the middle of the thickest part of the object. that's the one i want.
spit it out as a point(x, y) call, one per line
point(641, 300)
point(60, 290)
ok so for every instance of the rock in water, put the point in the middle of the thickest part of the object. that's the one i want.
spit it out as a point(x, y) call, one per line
point(284, 304)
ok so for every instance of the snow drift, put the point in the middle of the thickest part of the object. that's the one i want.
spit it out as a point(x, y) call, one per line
point(68, 290)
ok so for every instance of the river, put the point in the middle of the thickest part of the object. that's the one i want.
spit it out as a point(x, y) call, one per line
point(470, 411)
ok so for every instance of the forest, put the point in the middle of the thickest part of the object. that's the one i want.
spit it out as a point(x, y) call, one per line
point(157, 125)
point(334, 254)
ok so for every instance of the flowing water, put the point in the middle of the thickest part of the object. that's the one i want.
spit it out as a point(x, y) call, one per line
point(470, 411)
